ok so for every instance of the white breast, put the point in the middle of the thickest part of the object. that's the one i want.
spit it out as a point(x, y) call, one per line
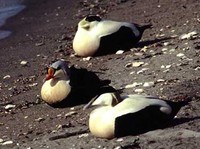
point(85, 43)
point(55, 90)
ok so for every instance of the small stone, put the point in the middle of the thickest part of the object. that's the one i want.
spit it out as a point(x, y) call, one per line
point(168, 66)
point(188, 35)
point(164, 49)
point(166, 43)
point(87, 58)
point(167, 70)
point(120, 140)
point(9, 106)
point(172, 50)
point(139, 90)
point(39, 119)
point(138, 54)
point(137, 64)
point(6, 77)
point(142, 70)
point(33, 84)
point(1, 140)
point(128, 65)
point(135, 84)
point(120, 52)
point(70, 113)
point(160, 80)
point(174, 36)
point(24, 63)
point(118, 147)
point(144, 49)
point(39, 44)
point(197, 68)
point(180, 55)
point(162, 66)
point(148, 84)
point(7, 142)
point(83, 135)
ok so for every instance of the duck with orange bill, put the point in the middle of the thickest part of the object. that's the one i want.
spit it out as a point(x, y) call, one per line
point(56, 85)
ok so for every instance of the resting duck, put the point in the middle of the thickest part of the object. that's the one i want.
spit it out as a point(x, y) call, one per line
point(96, 36)
point(117, 116)
point(56, 85)
point(68, 86)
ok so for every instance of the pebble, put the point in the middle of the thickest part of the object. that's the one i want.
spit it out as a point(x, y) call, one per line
point(39, 119)
point(33, 84)
point(180, 55)
point(39, 44)
point(142, 70)
point(166, 43)
point(120, 140)
point(144, 49)
point(148, 84)
point(83, 135)
point(1, 140)
point(137, 64)
point(7, 143)
point(172, 50)
point(135, 84)
point(168, 66)
point(160, 80)
point(87, 58)
point(164, 49)
point(197, 68)
point(120, 52)
point(9, 106)
point(188, 35)
point(138, 54)
point(24, 63)
point(70, 113)
point(162, 66)
point(6, 77)
point(139, 90)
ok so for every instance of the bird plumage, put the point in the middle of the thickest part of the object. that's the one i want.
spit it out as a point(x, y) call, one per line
point(131, 115)
point(96, 36)
point(56, 85)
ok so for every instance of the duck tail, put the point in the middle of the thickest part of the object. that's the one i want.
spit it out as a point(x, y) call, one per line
point(176, 106)
point(141, 28)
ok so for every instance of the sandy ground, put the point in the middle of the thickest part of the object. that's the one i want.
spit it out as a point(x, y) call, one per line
point(44, 32)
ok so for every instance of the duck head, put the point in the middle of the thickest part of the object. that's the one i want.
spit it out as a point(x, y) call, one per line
point(89, 22)
point(106, 99)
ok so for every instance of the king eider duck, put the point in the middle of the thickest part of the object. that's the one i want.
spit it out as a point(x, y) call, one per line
point(66, 86)
point(96, 36)
point(117, 116)
point(56, 85)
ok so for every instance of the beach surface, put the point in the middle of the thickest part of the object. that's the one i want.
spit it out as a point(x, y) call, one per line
point(169, 57)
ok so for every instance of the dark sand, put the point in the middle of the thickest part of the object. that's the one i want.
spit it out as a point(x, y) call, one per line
point(43, 33)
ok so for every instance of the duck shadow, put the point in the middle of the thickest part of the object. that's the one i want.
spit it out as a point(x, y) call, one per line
point(151, 42)
point(112, 47)
point(85, 85)
point(129, 131)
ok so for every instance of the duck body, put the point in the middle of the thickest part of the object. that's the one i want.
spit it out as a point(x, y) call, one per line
point(133, 115)
point(96, 36)
point(54, 90)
